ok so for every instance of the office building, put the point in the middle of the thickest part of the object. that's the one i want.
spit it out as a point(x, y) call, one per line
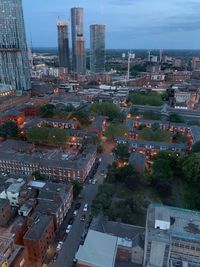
point(97, 48)
point(78, 41)
point(63, 44)
point(14, 67)
point(172, 237)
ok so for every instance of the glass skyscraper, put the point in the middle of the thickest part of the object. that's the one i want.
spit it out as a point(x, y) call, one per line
point(78, 41)
point(14, 65)
point(97, 48)
point(63, 44)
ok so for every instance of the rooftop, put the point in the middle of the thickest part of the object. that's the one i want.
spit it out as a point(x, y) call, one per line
point(99, 249)
point(46, 157)
point(38, 227)
point(195, 130)
point(183, 223)
point(3, 202)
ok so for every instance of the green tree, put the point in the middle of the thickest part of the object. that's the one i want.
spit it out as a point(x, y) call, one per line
point(151, 99)
point(162, 169)
point(115, 130)
point(38, 176)
point(47, 136)
point(124, 172)
point(9, 129)
point(174, 117)
point(77, 187)
point(47, 111)
point(107, 109)
point(122, 151)
point(196, 147)
point(191, 168)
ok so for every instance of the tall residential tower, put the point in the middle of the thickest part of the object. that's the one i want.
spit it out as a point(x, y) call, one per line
point(97, 48)
point(63, 44)
point(78, 41)
point(14, 64)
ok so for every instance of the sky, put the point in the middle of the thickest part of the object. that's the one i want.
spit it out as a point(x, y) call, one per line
point(130, 24)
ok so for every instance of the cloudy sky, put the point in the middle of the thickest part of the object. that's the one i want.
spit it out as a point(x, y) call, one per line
point(130, 23)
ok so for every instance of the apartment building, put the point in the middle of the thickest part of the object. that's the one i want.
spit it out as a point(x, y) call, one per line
point(172, 237)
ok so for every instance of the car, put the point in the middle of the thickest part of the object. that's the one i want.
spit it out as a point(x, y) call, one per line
point(71, 220)
point(69, 227)
point(64, 237)
point(85, 207)
point(83, 217)
point(94, 181)
point(90, 181)
point(55, 257)
point(102, 172)
point(75, 213)
point(77, 206)
point(59, 246)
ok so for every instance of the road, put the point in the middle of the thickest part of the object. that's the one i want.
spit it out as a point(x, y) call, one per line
point(71, 244)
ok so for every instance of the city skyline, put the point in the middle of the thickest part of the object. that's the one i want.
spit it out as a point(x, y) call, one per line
point(171, 24)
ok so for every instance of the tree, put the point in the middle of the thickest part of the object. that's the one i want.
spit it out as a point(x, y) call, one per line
point(133, 181)
point(107, 109)
point(115, 130)
point(151, 99)
point(162, 169)
point(196, 147)
point(77, 187)
point(47, 111)
point(38, 176)
point(122, 151)
point(9, 129)
point(174, 117)
point(82, 117)
point(123, 172)
point(163, 188)
point(191, 168)
point(47, 136)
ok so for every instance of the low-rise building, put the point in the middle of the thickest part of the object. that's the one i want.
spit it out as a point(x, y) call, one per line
point(172, 237)
point(38, 238)
point(55, 200)
point(52, 163)
point(5, 211)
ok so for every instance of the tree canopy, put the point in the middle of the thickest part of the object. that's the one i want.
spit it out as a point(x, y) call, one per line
point(115, 130)
point(47, 136)
point(122, 151)
point(196, 147)
point(9, 129)
point(107, 109)
point(175, 117)
point(152, 99)
point(47, 111)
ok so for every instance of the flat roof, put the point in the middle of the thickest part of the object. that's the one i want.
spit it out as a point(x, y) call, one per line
point(184, 224)
point(38, 227)
point(99, 249)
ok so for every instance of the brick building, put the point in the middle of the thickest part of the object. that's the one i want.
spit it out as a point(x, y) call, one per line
point(55, 200)
point(52, 163)
point(5, 211)
point(38, 238)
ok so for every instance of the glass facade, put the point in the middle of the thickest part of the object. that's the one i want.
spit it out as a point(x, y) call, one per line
point(97, 48)
point(14, 65)
point(63, 44)
point(78, 41)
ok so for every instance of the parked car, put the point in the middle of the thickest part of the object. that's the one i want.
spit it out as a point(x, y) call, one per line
point(71, 220)
point(85, 207)
point(94, 181)
point(69, 227)
point(59, 246)
point(77, 206)
point(83, 217)
point(75, 213)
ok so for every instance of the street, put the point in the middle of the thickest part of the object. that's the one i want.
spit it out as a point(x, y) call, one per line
point(72, 242)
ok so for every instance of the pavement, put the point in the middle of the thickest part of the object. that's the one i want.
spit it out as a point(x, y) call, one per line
point(72, 242)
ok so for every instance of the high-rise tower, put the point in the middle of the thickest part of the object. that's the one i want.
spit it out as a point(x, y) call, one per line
point(63, 44)
point(97, 48)
point(14, 64)
point(78, 41)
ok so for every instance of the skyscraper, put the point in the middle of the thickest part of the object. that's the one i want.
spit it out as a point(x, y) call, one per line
point(14, 65)
point(63, 44)
point(97, 48)
point(78, 41)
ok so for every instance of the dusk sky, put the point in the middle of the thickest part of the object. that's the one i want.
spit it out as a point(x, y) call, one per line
point(130, 23)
